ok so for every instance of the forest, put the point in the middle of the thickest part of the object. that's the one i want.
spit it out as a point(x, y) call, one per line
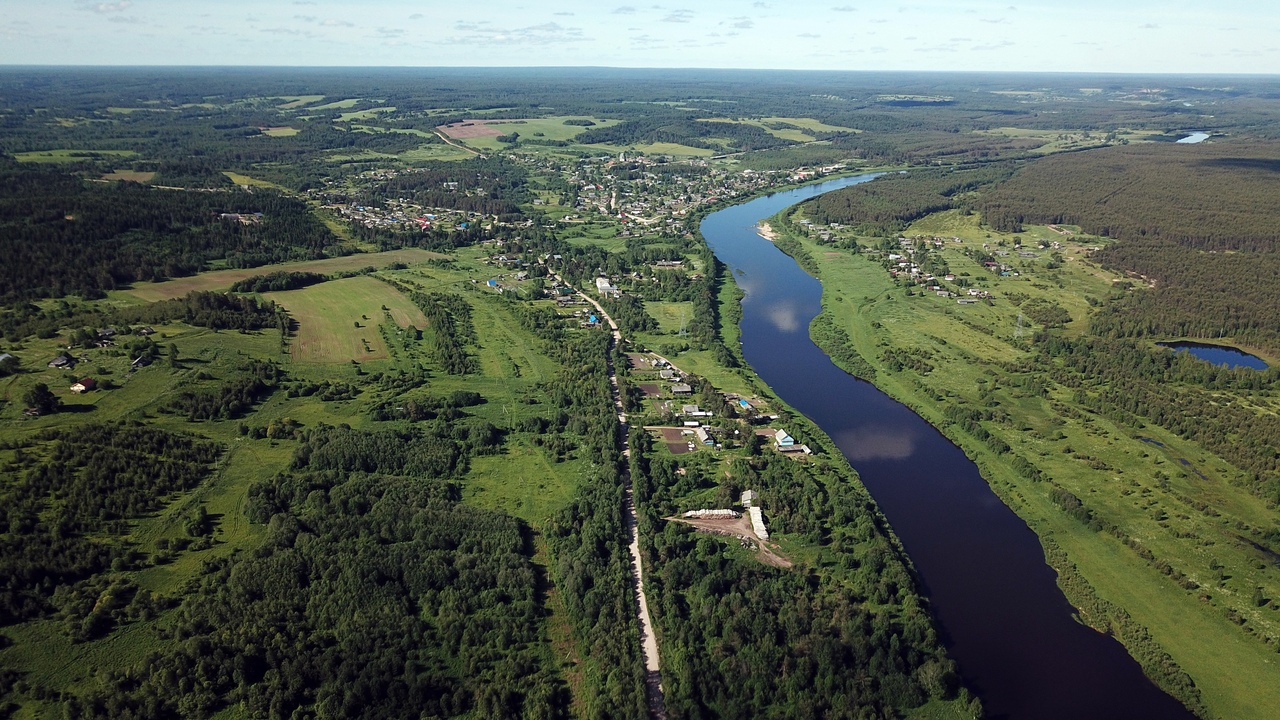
point(61, 235)
point(888, 204)
point(742, 639)
point(1195, 221)
point(331, 618)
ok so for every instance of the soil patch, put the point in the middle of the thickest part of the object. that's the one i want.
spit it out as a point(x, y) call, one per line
point(739, 528)
point(475, 128)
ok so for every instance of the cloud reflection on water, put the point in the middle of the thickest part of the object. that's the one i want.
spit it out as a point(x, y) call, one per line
point(785, 316)
point(866, 443)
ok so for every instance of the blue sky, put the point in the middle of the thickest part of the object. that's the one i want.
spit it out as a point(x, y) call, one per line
point(1176, 36)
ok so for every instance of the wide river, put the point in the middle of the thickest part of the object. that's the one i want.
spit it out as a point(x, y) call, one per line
point(1004, 619)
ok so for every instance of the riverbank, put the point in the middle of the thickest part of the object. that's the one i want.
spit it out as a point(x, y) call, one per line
point(1150, 580)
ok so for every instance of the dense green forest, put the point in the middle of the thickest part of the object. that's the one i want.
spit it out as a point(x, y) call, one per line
point(375, 594)
point(891, 202)
point(62, 236)
point(744, 639)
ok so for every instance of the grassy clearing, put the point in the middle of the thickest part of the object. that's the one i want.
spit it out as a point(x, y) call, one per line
point(239, 179)
point(671, 316)
point(293, 102)
point(70, 155)
point(338, 320)
point(783, 133)
point(221, 279)
point(1237, 675)
point(521, 482)
point(337, 105)
point(282, 131)
point(808, 124)
point(364, 114)
point(602, 234)
point(434, 151)
point(130, 176)
point(1068, 140)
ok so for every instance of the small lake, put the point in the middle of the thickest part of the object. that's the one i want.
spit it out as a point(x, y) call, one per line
point(1194, 138)
point(1004, 619)
point(1219, 354)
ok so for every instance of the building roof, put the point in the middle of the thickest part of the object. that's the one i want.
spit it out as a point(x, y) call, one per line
point(681, 388)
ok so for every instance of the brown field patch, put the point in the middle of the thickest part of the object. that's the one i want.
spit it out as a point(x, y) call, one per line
point(223, 279)
point(475, 128)
point(740, 528)
point(338, 320)
point(678, 448)
point(651, 390)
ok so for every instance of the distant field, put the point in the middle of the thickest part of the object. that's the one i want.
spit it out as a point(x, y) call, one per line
point(785, 134)
point(284, 131)
point(364, 114)
point(239, 179)
point(327, 315)
point(337, 105)
point(221, 279)
point(435, 151)
point(69, 156)
point(297, 101)
point(130, 176)
point(480, 133)
point(808, 124)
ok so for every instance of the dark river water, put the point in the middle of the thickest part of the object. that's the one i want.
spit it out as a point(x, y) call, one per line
point(1003, 617)
point(1218, 354)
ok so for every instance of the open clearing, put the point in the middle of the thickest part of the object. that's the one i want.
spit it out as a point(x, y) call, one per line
point(69, 156)
point(327, 315)
point(337, 105)
point(296, 101)
point(130, 176)
point(221, 279)
point(283, 131)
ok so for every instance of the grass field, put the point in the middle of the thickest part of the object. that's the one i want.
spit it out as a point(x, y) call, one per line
point(282, 131)
point(293, 102)
point(671, 316)
point(336, 105)
point(222, 279)
point(130, 176)
point(434, 151)
point(1237, 675)
point(785, 133)
point(69, 155)
point(327, 315)
point(364, 114)
point(239, 179)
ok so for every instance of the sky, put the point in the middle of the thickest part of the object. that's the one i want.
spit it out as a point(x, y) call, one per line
point(1123, 36)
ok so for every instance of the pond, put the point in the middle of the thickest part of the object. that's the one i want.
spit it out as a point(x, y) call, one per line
point(1218, 354)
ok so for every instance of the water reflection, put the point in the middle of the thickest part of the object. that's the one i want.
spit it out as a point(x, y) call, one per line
point(866, 444)
point(785, 316)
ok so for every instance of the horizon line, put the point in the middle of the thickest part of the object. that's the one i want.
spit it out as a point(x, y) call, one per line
point(158, 66)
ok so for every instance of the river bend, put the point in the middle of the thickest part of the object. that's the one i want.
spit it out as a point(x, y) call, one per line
point(1003, 617)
